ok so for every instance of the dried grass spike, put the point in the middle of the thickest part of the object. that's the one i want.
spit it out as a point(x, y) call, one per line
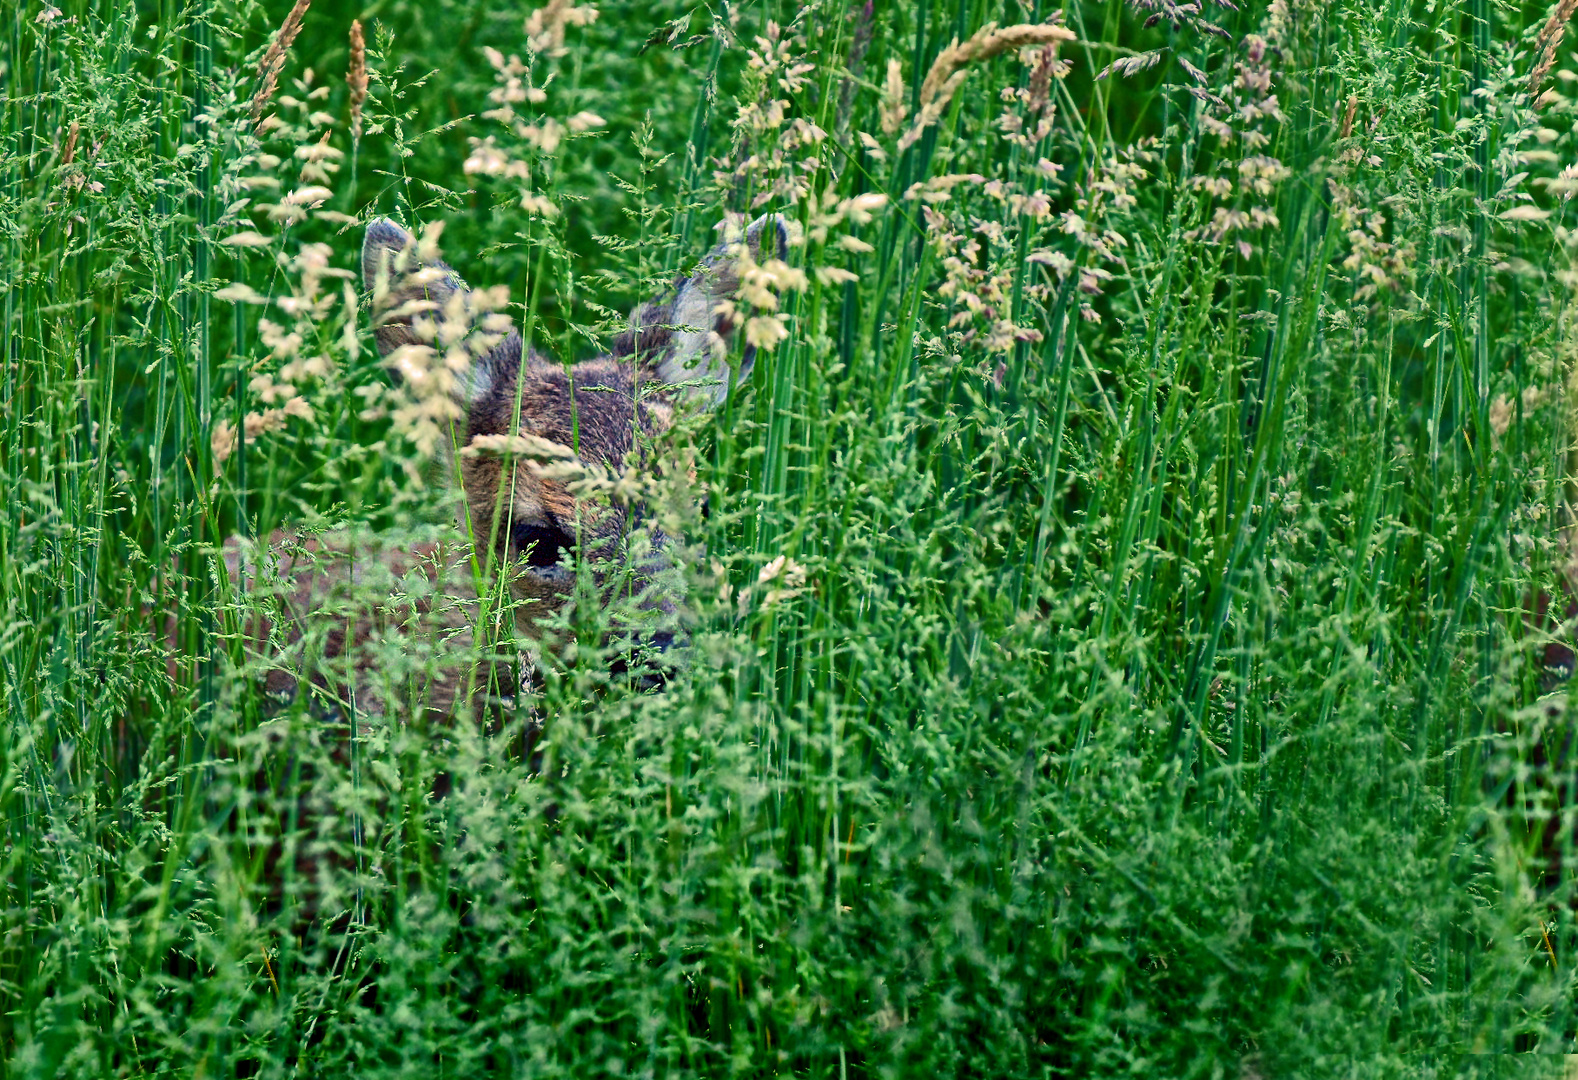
point(1347, 117)
point(893, 99)
point(1550, 36)
point(274, 60)
point(947, 72)
point(356, 77)
point(984, 44)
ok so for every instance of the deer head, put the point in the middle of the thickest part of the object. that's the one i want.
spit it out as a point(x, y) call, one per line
point(544, 446)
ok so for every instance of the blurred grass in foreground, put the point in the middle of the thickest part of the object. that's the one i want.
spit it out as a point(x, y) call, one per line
point(1161, 470)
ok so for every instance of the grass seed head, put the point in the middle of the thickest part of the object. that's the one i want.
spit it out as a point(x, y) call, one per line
point(274, 60)
point(545, 27)
point(356, 77)
point(1550, 36)
point(948, 71)
point(893, 99)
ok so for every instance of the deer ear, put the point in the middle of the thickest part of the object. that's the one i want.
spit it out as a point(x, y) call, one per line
point(682, 337)
point(405, 279)
point(407, 283)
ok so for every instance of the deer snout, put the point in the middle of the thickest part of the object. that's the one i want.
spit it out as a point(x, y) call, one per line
point(649, 659)
point(644, 639)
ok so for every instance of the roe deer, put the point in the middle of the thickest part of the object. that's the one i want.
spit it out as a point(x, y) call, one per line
point(530, 432)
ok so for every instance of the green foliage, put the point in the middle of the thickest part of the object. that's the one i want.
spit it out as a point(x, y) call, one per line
point(1113, 635)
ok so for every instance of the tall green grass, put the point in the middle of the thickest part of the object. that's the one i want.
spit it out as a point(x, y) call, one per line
point(1162, 694)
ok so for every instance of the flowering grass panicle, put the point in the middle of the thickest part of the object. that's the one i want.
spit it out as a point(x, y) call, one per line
point(1239, 190)
point(308, 329)
point(546, 26)
point(777, 154)
point(447, 340)
point(515, 97)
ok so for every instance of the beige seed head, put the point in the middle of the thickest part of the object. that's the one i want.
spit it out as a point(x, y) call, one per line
point(986, 43)
point(356, 77)
point(1500, 415)
point(893, 99)
point(1347, 117)
point(1550, 36)
point(274, 60)
point(947, 72)
point(545, 27)
point(222, 441)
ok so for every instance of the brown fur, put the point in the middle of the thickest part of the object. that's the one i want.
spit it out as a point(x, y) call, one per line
point(334, 598)
point(321, 606)
point(601, 409)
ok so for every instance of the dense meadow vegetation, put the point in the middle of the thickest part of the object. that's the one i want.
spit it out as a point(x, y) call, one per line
point(1115, 634)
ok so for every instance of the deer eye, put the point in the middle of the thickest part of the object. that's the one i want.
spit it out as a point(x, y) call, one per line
point(539, 545)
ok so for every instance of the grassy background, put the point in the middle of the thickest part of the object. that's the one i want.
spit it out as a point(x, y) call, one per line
point(1160, 698)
